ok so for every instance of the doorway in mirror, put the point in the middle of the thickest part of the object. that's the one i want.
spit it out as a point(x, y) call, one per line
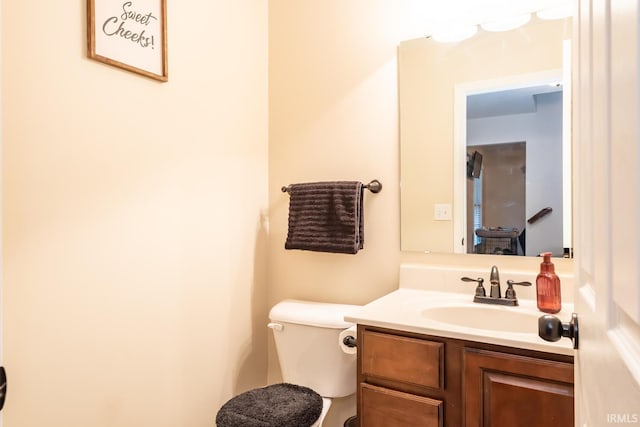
point(496, 198)
point(516, 126)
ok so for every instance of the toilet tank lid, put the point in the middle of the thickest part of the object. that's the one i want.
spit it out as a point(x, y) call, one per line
point(326, 315)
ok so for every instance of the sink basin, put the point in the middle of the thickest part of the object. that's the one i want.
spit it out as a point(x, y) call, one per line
point(490, 318)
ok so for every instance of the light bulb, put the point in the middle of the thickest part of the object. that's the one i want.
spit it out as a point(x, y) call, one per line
point(557, 12)
point(455, 34)
point(507, 23)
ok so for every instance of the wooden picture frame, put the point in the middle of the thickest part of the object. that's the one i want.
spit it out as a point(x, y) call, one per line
point(129, 34)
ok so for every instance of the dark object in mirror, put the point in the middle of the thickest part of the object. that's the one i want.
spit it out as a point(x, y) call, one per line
point(497, 241)
point(541, 213)
point(474, 165)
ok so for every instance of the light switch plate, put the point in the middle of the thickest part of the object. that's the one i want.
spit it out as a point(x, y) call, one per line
point(442, 212)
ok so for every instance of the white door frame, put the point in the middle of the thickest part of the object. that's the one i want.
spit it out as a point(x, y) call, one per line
point(461, 91)
point(1, 207)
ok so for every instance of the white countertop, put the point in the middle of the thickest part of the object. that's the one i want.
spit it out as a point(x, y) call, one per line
point(408, 309)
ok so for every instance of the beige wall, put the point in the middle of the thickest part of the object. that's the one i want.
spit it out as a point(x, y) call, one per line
point(133, 219)
point(333, 116)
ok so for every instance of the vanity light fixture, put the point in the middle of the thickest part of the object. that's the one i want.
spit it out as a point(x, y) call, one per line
point(503, 16)
point(507, 23)
point(556, 12)
point(455, 34)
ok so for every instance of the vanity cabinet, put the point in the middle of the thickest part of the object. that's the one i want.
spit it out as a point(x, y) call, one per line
point(414, 380)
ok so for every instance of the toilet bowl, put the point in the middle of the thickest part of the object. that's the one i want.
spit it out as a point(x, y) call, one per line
point(307, 342)
point(326, 404)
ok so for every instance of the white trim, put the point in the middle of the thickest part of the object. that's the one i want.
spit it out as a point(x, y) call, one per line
point(625, 337)
point(588, 296)
point(567, 196)
point(1, 266)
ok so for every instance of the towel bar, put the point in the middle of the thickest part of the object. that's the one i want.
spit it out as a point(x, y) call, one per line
point(374, 186)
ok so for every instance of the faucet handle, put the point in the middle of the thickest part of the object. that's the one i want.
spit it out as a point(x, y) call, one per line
point(480, 291)
point(510, 293)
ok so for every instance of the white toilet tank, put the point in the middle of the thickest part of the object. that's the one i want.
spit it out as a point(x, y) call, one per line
point(306, 335)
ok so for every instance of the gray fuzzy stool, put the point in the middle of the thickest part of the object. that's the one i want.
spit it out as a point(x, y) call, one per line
point(277, 405)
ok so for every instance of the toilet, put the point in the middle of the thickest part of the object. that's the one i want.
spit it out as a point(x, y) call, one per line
point(315, 369)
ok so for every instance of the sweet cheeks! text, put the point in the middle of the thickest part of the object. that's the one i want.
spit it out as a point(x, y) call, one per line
point(130, 26)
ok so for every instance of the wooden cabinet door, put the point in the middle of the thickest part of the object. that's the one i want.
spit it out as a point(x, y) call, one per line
point(504, 390)
point(383, 407)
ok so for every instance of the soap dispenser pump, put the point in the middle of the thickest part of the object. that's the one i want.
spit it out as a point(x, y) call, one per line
point(548, 286)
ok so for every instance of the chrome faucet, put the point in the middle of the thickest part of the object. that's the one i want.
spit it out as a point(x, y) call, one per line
point(495, 293)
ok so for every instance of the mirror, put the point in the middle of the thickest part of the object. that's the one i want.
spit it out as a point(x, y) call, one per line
point(437, 143)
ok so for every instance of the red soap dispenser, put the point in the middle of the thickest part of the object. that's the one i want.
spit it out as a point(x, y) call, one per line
point(548, 286)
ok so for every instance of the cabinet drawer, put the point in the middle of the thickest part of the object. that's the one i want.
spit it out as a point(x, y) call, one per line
point(382, 407)
point(398, 358)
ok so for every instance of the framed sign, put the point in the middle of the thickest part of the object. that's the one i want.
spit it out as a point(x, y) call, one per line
point(130, 34)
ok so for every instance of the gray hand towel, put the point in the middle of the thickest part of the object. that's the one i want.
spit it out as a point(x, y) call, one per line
point(326, 217)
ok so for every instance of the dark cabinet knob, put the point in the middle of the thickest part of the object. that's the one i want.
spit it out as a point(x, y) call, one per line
point(550, 328)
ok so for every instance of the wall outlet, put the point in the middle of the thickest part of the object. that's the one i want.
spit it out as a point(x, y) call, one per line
point(442, 212)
